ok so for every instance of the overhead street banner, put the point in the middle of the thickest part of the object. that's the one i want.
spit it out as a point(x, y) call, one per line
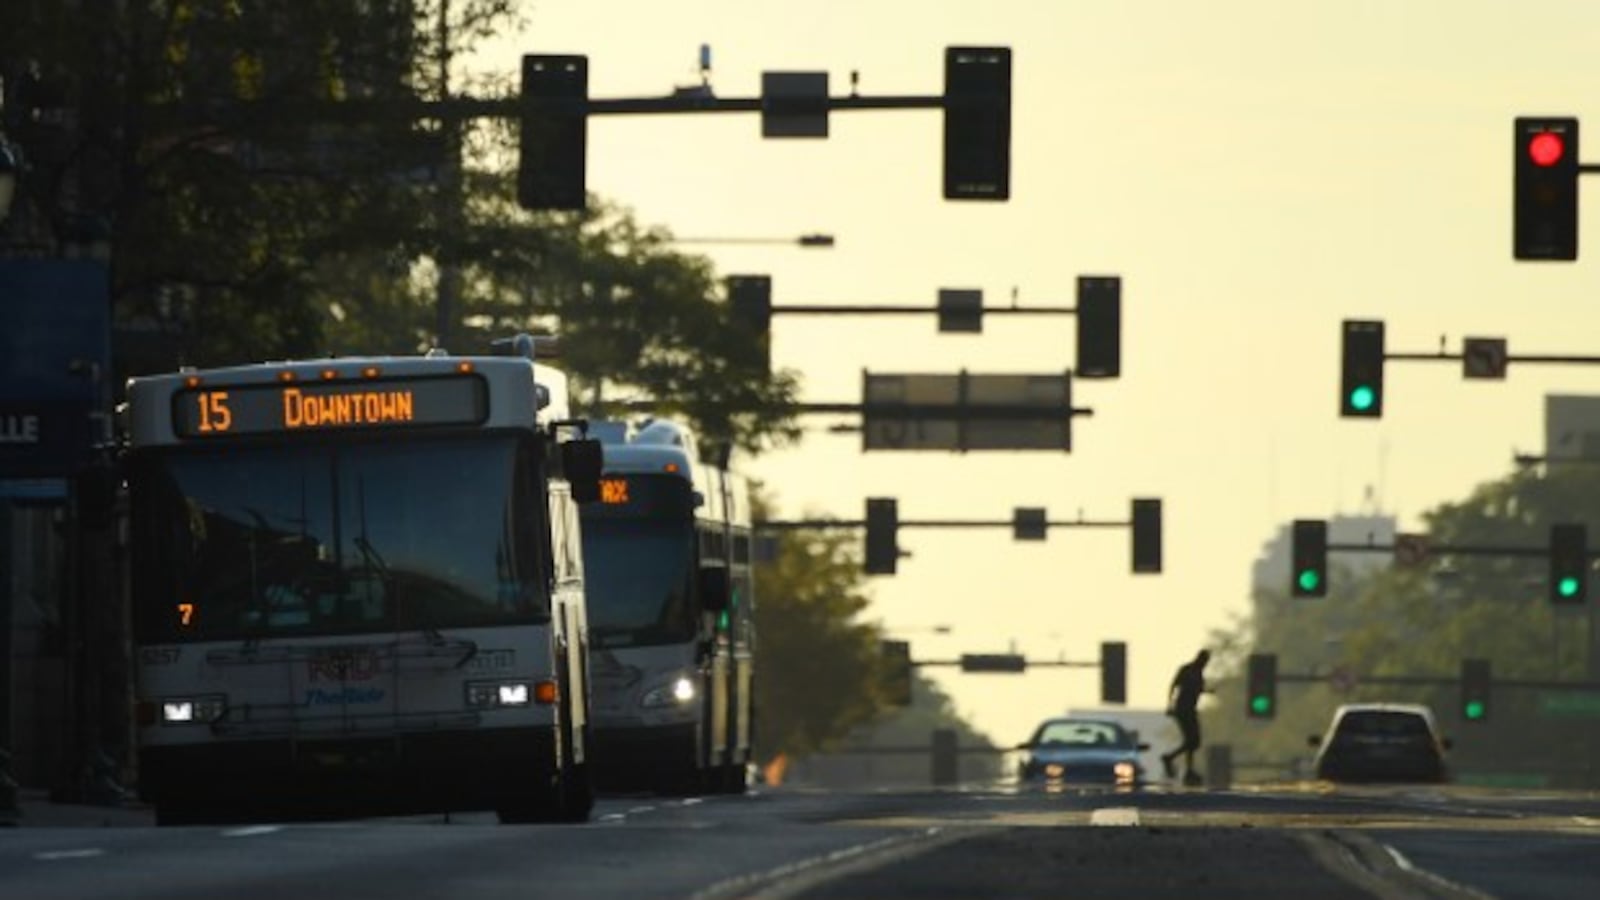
point(55, 364)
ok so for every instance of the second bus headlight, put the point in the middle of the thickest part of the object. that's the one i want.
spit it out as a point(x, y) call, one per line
point(677, 692)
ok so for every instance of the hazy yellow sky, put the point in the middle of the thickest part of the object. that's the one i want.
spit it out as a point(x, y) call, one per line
point(1255, 170)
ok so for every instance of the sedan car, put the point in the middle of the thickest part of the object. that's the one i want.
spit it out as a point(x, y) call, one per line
point(1381, 742)
point(1082, 751)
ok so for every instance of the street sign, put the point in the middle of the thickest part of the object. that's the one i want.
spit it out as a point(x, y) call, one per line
point(1028, 523)
point(965, 412)
point(794, 104)
point(1484, 358)
point(1411, 550)
point(960, 311)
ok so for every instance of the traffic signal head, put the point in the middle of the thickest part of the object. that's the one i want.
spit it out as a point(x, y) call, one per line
point(1361, 370)
point(897, 672)
point(1147, 536)
point(552, 171)
point(1545, 184)
point(977, 123)
point(1475, 684)
point(1569, 564)
point(883, 525)
point(1308, 558)
point(1261, 686)
point(750, 304)
point(1099, 326)
point(1113, 672)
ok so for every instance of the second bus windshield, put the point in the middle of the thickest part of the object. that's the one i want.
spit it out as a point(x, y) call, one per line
point(639, 562)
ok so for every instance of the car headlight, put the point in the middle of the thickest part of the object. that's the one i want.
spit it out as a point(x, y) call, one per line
point(202, 710)
point(677, 692)
point(1124, 771)
point(1054, 770)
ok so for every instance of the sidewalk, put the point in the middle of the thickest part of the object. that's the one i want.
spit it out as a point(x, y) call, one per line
point(34, 810)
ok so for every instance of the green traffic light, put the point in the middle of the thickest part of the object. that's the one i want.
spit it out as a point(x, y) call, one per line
point(1309, 579)
point(1474, 709)
point(1568, 586)
point(1362, 398)
point(1260, 704)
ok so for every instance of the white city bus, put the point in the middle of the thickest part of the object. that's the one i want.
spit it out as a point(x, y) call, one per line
point(671, 611)
point(357, 585)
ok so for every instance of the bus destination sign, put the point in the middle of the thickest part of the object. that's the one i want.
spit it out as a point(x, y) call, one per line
point(226, 410)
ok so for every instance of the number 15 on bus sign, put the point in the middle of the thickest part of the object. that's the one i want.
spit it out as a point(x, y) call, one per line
point(214, 414)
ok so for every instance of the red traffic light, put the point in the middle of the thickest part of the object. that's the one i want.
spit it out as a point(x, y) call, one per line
point(1546, 148)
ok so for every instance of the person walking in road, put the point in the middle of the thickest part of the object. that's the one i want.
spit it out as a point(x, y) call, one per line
point(1182, 700)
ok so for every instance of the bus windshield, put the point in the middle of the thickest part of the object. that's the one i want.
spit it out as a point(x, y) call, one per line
point(638, 578)
point(338, 537)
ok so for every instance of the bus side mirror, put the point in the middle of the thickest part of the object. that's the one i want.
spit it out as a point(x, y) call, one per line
point(714, 589)
point(582, 462)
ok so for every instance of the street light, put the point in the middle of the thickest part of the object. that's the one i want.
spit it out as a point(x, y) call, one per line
point(804, 240)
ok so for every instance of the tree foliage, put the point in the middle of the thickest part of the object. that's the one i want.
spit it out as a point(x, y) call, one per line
point(1425, 621)
point(274, 192)
point(820, 667)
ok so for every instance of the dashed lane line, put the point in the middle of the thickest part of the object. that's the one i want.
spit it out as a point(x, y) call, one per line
point(1115, 816)
point(55, 855)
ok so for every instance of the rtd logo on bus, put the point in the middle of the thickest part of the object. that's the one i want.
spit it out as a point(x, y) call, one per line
point(255, 409)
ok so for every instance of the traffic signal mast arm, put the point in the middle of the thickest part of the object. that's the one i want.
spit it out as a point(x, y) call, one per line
point(836, 309)
point(359, 110)
point(1553, 358)
point(825, 524)
point(1454, 550)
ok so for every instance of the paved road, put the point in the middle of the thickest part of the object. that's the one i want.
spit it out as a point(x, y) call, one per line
point(1286, 840)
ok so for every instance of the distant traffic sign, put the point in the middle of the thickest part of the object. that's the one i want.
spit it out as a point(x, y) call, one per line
point(1411, 550)
point(1484, 358)
point(965, 412)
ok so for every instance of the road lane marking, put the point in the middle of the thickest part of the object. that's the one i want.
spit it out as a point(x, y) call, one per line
point(85, 853)
point(612, 817)
point(641, 809)
point(792, 879)
point(692, 801)
point(1440, 881)
point(251, 831)
point(1116, 816)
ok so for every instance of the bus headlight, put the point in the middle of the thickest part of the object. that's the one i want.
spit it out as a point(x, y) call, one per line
point(192, 710)
point(677, 692)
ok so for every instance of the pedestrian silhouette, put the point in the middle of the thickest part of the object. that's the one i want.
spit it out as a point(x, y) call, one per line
point(1182, 700)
